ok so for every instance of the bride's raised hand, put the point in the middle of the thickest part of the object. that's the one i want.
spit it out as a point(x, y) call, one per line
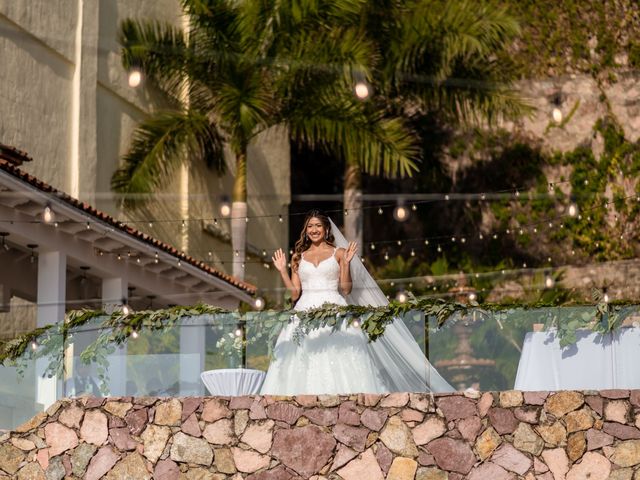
point(350, 251)
point(279, 260)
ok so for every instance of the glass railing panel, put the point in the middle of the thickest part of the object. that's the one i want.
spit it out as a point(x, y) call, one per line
point(32, 382)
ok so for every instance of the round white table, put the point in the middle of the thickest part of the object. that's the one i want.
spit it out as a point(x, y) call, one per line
point(595, 362)
point(233, 382)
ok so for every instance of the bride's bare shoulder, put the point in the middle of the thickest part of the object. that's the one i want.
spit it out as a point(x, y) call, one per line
point(339, 253)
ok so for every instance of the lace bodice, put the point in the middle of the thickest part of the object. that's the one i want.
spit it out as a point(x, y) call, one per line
point(319, 283)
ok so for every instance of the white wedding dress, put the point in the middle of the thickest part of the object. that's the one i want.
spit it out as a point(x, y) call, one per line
point(324, 361)
point(330, 362)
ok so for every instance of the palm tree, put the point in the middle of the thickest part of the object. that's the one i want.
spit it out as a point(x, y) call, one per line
point(436, 57)
point(243, 67)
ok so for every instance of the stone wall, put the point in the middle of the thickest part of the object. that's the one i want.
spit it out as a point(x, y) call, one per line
point(504, 435)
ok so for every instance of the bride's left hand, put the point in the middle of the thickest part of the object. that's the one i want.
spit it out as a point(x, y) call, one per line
point(350, 251)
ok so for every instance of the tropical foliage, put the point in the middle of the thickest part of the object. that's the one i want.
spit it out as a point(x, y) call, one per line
point(243, 67)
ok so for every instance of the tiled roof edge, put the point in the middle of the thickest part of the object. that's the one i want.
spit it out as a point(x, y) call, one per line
point(11, 168)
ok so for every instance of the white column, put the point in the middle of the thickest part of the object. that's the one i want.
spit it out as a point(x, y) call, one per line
point(114, 291)
point(52, 278)
point(192, 354)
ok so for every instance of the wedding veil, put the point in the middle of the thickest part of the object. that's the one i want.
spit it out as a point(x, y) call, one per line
point(396, 354)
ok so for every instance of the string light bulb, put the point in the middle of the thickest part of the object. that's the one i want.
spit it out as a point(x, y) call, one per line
point(135, 78)
point(134, 334)
point(379, 210)
point(605, 297)
point(401, 213)
point(572, 210)
point(280, 219)
point(258, 303)
point(548, 281)
point(225, 207)
point(401, 296)
point(47, 215)
point(362, 90)
point(238, 331)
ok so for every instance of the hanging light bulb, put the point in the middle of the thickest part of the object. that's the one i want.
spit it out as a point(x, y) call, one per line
point(414, 207)
point(556, 114)
point(34, 345)
point(362, 90)
point(238, 331)
point(134, 334)
point(605, 297)
point(280, 219)
point(572, 210)
point(126, 310)
point(355, 323)
point(372, 246)
point(548, 280)
point(386, 256)
point(258, 303)
point(413, 252)
point(47, 215)
point(135, 77)
point(426, 242)
point(472, 297)
point(225, 206)
point(379, 210)
point(401, 213)
point(401, 296)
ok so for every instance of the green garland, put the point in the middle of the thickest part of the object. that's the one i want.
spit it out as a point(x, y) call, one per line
point(117, 327)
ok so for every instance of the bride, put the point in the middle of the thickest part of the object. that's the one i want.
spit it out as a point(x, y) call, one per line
point(324, 269)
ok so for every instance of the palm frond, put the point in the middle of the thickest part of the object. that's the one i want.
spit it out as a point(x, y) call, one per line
point(343, 127)
point(158, 147)
point(444, 59)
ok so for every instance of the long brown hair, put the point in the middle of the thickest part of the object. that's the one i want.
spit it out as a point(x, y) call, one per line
point(304, 243)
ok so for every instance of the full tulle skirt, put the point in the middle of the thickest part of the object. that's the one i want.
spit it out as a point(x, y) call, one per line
point(322, 362)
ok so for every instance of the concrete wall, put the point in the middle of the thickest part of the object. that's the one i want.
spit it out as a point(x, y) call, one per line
point(401, 436)
point(64, 99)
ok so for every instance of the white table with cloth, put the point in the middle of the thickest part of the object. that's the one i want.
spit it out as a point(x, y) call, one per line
point(233, 382)
point(595, 362)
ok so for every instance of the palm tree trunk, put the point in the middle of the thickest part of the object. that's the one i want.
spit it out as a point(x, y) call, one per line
point(239, 215)
point(353, 205)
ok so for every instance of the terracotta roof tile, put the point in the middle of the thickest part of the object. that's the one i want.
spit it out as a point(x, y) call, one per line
point(10, 167)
